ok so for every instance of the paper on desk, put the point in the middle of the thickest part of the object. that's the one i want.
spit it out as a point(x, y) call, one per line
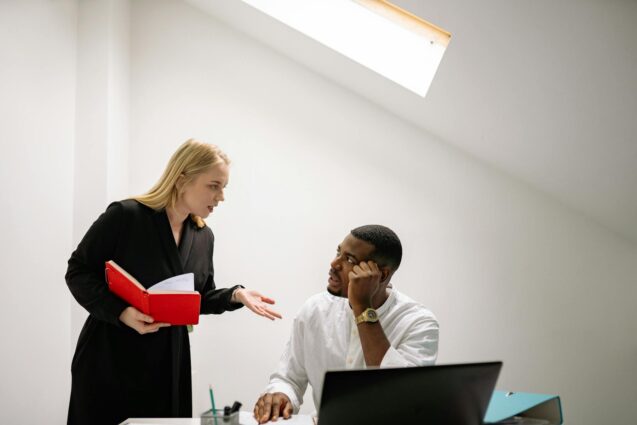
point(182, 282)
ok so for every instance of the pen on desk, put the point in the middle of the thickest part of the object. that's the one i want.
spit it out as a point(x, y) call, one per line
point(212, 401)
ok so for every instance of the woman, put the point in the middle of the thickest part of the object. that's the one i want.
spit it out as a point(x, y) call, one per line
point(125, 364)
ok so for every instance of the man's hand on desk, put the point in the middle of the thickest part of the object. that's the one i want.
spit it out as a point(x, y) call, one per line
point(272, 405)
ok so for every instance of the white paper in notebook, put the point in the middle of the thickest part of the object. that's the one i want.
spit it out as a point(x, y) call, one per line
point(182, 282)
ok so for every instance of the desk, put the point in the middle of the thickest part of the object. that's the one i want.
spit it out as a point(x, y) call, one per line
point(245, 418)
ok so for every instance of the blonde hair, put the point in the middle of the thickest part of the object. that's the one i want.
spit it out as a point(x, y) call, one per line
point(191, 159)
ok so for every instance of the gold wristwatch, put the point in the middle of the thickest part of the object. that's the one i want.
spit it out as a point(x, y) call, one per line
point(369, 316)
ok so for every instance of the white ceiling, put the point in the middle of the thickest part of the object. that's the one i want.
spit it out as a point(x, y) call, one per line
point(544, 90)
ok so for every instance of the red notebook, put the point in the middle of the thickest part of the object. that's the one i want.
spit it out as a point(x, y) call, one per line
point(174, 307)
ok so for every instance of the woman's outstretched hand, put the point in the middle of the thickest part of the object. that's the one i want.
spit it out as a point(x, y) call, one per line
point(256, 302)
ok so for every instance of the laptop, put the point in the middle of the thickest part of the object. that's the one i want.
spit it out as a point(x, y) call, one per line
point(453, 394)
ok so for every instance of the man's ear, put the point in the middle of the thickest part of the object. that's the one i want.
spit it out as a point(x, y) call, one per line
point(385, 274)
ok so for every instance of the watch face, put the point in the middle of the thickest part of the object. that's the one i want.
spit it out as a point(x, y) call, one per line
point(369, 316)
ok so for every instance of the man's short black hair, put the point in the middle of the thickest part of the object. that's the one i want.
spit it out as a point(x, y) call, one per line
point(388, 250)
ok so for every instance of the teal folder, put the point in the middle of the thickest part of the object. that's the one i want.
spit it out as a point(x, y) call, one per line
point(506, 405)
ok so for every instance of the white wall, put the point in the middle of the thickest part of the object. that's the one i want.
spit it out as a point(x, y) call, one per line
point(101, 131)
point(511, 273)
point(37, 116)
point(64, 134)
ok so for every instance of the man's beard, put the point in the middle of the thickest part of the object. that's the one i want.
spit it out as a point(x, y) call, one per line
point(336, 294)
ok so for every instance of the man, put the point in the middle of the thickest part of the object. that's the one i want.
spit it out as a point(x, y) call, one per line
point(359, 322)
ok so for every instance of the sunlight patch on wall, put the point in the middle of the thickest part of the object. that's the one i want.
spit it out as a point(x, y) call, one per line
point(375, 33)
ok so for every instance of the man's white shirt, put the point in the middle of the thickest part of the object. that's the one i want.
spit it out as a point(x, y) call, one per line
point(324, 337)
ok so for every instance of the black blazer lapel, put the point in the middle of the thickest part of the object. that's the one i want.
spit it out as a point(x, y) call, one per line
point(185, 245)
point(168, 242)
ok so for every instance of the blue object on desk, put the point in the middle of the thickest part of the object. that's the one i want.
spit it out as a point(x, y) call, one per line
point(505, 405)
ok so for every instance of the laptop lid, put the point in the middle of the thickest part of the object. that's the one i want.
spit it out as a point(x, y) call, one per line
point(454, 394)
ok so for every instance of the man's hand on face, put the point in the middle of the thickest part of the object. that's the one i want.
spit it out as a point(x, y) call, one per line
point(364, 283)
point(272, 405)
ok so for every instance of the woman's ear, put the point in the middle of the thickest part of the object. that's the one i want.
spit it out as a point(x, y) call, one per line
point(179, 184)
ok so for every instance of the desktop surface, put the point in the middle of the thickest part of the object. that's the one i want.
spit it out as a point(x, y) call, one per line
point(245, 418)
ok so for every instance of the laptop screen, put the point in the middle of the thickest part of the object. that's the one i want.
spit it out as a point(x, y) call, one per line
point(454, 394)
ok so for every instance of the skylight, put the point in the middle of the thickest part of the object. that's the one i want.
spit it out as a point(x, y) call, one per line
point(375, 33)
